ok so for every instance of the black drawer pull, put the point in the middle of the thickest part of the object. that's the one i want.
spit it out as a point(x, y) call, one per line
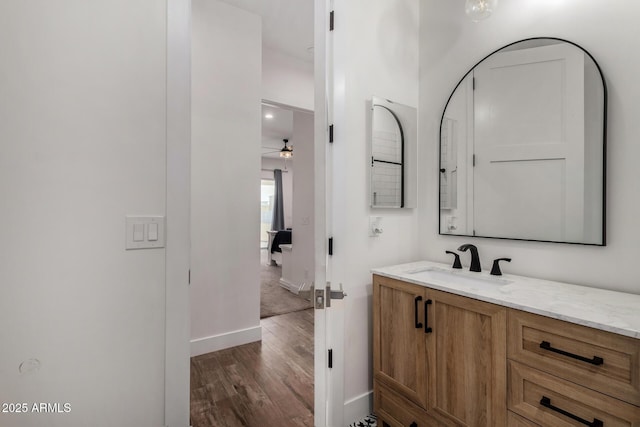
point(414, 424)
point(546, 402)
point(545, 345)
point(415, 312)
point(427, 329)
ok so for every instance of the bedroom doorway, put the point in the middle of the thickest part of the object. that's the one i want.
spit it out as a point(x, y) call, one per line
point(286, 208)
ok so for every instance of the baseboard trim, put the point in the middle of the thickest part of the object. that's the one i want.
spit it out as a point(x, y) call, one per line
point(358, 407)
point(230, 339)
point(288, 285)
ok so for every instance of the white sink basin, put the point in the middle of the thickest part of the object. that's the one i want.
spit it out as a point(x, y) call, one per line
point(436, 275)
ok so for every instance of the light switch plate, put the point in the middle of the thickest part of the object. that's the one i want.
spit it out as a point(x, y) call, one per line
point(133, 225)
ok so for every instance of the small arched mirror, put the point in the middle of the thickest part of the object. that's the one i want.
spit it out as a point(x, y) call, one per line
point(387, 157)
point(522, 146)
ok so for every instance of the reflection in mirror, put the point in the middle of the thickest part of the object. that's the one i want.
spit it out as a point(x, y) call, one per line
point(392, 154)
point(522, 145)
point(387, 158)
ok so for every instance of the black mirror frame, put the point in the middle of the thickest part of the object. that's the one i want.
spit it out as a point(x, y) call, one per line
point(604, 146)
point(395, 116)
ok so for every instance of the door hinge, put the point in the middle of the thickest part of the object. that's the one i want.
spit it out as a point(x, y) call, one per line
point(473, 83)
point(330, 358)
point(331, 20)
point(473, 161)
point(331, 133)
point(189, 276)
point(330, 245)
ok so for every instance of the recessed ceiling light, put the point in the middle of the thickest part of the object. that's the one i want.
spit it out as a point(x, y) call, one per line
point(268, 116)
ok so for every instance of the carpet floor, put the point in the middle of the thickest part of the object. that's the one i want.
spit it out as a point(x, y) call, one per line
point(274, 299)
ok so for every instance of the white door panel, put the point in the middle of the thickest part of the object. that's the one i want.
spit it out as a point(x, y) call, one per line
point(524, 167)
point(327, 328)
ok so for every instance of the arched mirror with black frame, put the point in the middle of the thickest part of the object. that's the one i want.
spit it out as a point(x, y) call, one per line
point(387, 158)
point(523, 146)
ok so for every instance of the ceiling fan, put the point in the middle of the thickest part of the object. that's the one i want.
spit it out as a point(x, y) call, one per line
point(286, 152)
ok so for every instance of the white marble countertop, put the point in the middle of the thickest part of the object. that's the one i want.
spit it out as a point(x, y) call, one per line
point(611, 311)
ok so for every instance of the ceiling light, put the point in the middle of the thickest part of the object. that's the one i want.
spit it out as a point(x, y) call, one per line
point(477, 10)
point(268, 116)
point(287, 151)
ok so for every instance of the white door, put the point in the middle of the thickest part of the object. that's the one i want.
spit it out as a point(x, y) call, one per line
point(329, 324)
point(531, 173)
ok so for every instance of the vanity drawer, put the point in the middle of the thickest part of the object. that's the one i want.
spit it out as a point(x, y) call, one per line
point(602, 361)
point(551, 401)
point(515, 420)
point(396, 411)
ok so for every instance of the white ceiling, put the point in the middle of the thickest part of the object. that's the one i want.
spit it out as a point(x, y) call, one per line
point(274, 130)
point(287, 25)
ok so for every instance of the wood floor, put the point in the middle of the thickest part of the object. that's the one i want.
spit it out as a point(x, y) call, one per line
point(263, 384)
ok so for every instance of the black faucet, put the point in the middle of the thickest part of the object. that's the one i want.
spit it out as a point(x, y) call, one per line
point(495, 270)
point(475, 259)
point(456, 261)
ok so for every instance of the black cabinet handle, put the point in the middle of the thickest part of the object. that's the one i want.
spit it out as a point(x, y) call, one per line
point(414, 424)
point(427, 329)
point(546, 402)
point(415, 312)
point(545, 345)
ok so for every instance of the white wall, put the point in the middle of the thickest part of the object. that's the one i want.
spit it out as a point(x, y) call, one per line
point(178, 253)
point(82, 144)
point(287, 184)
point(287, 80)
point(375, 53)
point(451, 44)
point(225, 215)
point(303, 265)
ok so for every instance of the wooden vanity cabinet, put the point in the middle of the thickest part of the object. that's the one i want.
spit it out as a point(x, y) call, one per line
point(445, 360)
point(400, 347)
point(438, 356)
point(605, 362)
point(562, 374)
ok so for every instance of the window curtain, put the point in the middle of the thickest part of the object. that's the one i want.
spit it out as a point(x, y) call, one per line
point(277, 222)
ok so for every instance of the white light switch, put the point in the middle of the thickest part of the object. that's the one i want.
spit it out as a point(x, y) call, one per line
point(153, 232)
point(144, 232)
point(138, 232)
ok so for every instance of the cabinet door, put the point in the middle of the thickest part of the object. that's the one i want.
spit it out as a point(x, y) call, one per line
point(399, 342)
point(467, 360)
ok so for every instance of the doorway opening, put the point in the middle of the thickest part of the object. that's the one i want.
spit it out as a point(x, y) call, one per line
point(238, 379)
point(287, 259)
point(271, 382)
